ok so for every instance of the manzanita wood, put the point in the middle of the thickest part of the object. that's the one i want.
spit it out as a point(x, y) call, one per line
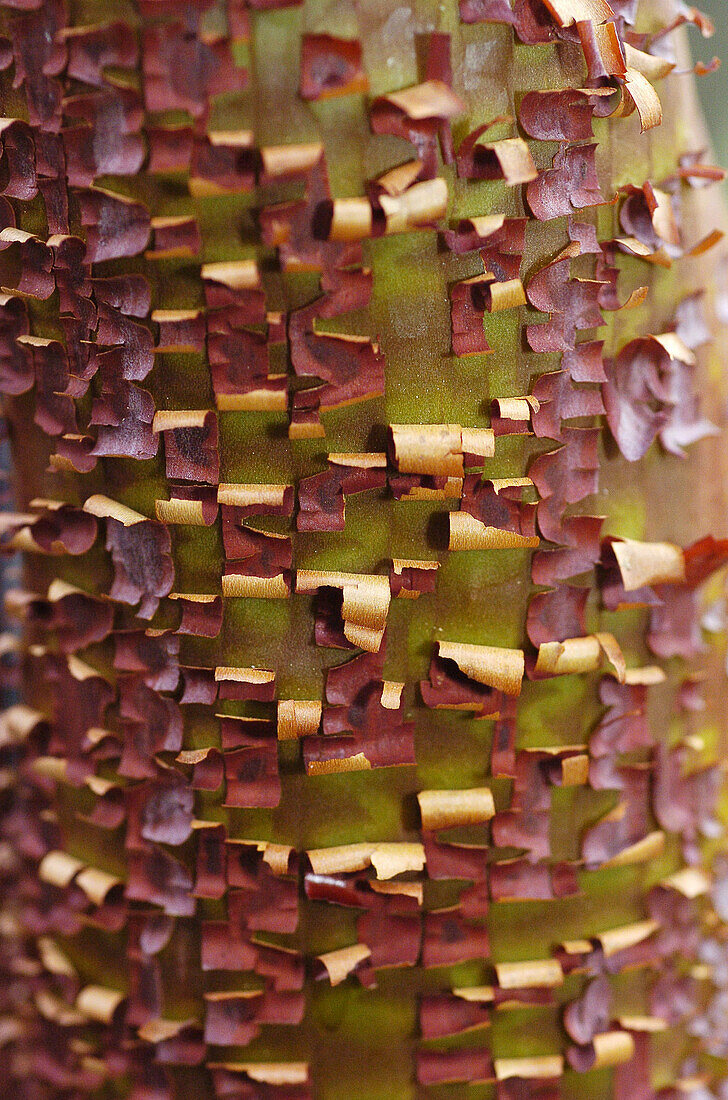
point(364, 726)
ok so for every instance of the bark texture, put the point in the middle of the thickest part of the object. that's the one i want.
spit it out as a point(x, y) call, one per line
point(364, 668)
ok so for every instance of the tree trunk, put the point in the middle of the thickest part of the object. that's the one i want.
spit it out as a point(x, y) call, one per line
point(365, 679)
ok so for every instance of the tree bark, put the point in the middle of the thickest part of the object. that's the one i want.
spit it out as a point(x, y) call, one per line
point(155, 739)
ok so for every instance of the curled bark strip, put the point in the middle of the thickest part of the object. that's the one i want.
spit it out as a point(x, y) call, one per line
point(508, 159)
point(557, 116)
point(140, 549)
point(420, 114)
point(115, 225)
point(571, 184)
point(330, 67)
point(649, 392)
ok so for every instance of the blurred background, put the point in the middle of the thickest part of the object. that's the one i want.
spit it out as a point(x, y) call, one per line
point(714, 88)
